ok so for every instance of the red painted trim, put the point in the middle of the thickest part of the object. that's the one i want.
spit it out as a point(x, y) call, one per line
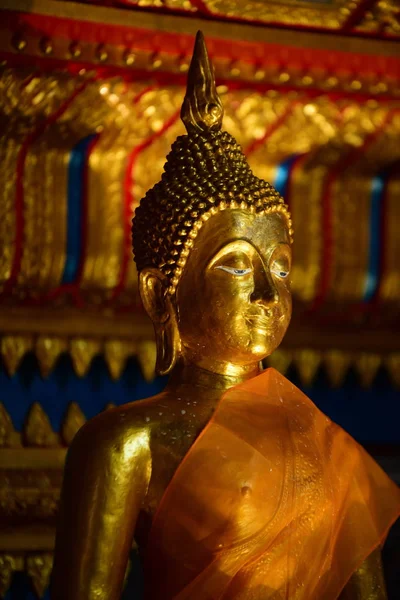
point(182, 44)
point(46, 64)
point(129, 200)
point(19, 187)
point(326, 222)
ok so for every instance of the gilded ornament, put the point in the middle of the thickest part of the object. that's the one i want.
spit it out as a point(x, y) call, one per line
point(146, 354)
point(183, 64)
point(75, 49)
point(337, 364)
point(307, 362)
point(73, 420)
point(156, 61)
point(19, 42)
point(129, 57)
point(7, 568)
point(82, 352)
point(116, 353)
point(101, 53)
point(13, 349)
point(367, 365)
point(48, 349)
point(37, 429)
point(46, 46)
point(8, 435)
point(38, 568)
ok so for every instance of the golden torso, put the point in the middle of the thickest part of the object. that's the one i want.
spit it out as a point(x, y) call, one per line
point(170, 435)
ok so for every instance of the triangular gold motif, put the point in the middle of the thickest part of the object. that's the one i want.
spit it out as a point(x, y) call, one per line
point(73, 421)
point(37, 430)
point(38, 567)
point(13, 349)
point(307, 362)
point(48, 349)
point(82, 353)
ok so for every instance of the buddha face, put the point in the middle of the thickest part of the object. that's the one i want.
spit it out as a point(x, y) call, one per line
point(233, 301)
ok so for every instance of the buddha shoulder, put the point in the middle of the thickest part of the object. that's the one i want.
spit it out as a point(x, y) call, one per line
point(118, 435)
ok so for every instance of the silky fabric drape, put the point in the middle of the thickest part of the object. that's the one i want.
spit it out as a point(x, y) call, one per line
point(273, 501)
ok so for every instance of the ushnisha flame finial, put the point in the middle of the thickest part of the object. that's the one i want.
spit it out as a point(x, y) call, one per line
point(202, 108)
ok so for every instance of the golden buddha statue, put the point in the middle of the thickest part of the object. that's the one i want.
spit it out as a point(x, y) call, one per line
point(231, 481)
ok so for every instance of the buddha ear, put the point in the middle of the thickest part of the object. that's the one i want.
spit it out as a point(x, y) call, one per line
point(153, 287)
point(153, 290)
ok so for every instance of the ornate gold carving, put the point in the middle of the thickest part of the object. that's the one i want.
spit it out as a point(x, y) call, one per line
point(307, 362)
point(73, 421)
point(48, 349)
point(303, 14)
point(18, 42)
point(30, 482)
point(46, 46)
point(367, 366)
point(8, 436)
point(38, 567)
point(124, 126)
point(147, 353)
point(239, 67)
point(45, 174)
point(102, 53)
point(37, 430)
point(82, 352)
point(13, 349)
point(7, 568)
point(164, 119)
point(383, 16)
point(337, 364)
point(375, 142)
point(116, 353)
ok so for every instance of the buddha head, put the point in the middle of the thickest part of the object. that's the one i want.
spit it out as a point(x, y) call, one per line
point(212, 245)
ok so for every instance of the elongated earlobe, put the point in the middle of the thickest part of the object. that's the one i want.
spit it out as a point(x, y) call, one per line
point(160, 308)
point(168, 347)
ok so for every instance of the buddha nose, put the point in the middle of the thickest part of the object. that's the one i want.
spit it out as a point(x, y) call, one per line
point(265, 291)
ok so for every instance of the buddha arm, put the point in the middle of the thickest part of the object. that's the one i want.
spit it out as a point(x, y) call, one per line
point(368, 582)
point(105, 481)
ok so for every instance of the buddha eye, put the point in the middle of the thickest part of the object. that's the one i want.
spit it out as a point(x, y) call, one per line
point(279, 271)
point(233, 271)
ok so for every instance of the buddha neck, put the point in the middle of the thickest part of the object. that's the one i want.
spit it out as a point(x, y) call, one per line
point(221, 378)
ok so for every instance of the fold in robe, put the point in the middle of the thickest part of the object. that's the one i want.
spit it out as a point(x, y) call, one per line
point(273, 501)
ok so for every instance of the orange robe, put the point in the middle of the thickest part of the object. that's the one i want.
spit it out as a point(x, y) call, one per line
point(273, 501)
